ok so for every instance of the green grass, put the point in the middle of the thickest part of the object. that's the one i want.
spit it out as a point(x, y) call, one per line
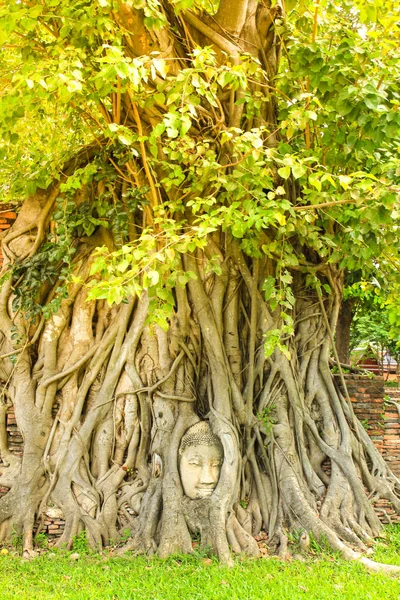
point(55, 576)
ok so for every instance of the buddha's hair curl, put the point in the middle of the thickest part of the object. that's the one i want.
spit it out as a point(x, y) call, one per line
point(199, 434)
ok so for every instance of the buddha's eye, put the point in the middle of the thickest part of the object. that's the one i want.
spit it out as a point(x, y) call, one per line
point(195, 463)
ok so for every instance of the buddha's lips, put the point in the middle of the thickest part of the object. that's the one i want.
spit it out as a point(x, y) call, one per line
point(205, 491)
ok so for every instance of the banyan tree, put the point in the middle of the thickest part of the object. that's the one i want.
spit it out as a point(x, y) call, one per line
point(193, 180)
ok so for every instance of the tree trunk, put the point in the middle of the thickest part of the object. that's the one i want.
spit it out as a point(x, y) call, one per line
point(104, 396)
point(102, 401)
point(343, 330)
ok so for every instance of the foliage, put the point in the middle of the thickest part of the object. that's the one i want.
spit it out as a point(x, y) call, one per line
point(41, 540)
point(267, 419)
point(80, 544)
point(376, 319)
point(338, 125)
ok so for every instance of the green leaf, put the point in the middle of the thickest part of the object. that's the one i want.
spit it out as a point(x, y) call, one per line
point(285, 351)
point(186, 124)
point(345, 181)
point(122, 70)
point(284, 172)
point(123, 265)
point(371, 102)
point(298, 171)
point(159, 98)
point(238, 229)
point(315, 182)
point(271, 341)
point(153, 277)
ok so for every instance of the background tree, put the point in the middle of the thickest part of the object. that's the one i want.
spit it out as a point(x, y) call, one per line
point(375, 325)
point(197, 179)
point(343, 328)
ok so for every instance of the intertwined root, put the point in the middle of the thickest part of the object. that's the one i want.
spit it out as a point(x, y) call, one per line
point(102, 401)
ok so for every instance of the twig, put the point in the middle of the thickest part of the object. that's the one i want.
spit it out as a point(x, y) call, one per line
point(351, 368)
point(324, 204)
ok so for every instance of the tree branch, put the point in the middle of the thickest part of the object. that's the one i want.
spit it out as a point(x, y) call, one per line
point(212, 35)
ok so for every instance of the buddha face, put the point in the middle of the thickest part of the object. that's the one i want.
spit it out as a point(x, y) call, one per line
point(199, 467)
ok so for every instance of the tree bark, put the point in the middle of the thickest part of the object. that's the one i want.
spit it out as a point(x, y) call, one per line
point(343, 330)
point(103, 395)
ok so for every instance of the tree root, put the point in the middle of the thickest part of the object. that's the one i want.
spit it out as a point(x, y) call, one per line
point(102, 401)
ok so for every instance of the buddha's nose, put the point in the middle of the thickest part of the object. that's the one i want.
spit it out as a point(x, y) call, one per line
point(207, 476)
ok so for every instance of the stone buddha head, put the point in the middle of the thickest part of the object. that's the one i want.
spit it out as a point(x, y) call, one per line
point(200, 458)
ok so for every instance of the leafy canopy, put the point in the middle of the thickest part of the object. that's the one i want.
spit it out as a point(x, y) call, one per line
point(317, 186)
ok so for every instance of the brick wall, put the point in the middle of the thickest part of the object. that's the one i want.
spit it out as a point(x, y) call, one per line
point(372, 405)
point(367, 396)
point(15, 441)
point(391, 436)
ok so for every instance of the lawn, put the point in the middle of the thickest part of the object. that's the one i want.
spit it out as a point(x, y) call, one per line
point(56, 576)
